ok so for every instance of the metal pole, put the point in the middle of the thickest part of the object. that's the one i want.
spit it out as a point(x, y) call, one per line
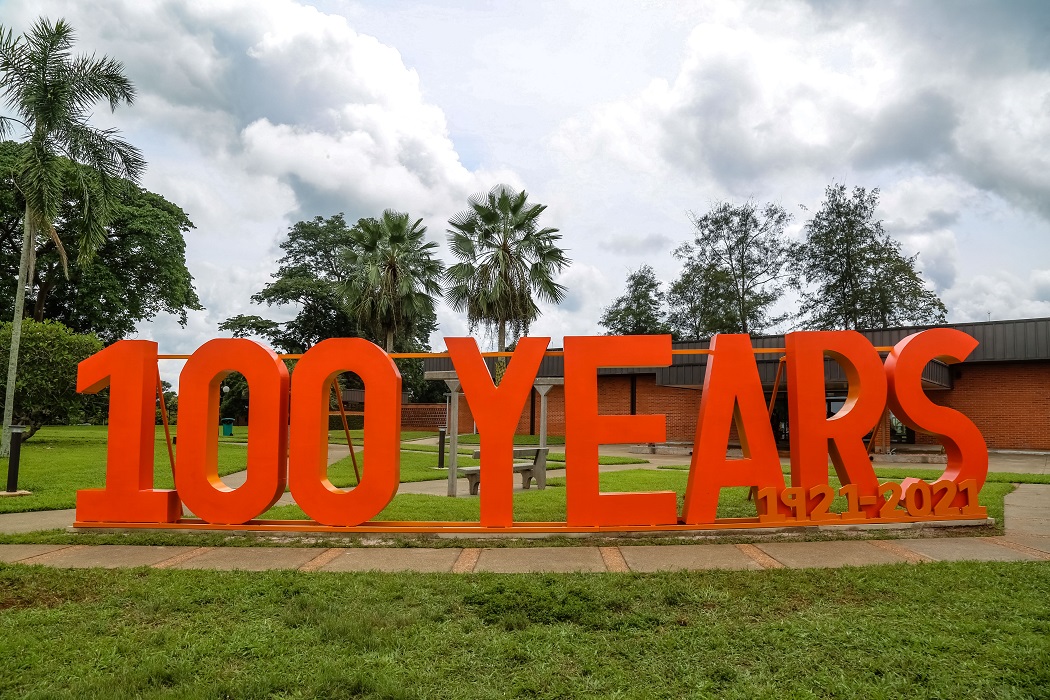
point(16, 453)
point(453, 438)
point(441, 447)
point(543, 419)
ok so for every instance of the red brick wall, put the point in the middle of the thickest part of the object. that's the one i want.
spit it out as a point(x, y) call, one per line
point(1008, 401)
point(614, 398)
point(422, 416)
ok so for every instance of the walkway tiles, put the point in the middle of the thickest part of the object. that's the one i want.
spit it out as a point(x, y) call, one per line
point(393, 559)
point(110, 556)
point(11, 553)
point(1017, 523)
point(33, 521)
point(540, 560)
point(1037, 542)
point(964, 549)
point(686, 557)
point(800, 555)
point(251, 558)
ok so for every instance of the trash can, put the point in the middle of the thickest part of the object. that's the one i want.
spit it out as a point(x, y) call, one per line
point(227, 427)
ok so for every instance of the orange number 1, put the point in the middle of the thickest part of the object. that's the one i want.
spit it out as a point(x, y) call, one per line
point(129, 369)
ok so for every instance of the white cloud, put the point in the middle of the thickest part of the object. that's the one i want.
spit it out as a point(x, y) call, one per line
point(254, 115)
point(997, 296)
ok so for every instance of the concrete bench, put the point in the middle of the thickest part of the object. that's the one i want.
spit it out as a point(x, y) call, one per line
point(537, 470)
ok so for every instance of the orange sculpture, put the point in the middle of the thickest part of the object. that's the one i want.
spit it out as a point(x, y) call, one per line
point(585, 429)
point(196, 468)
point(496, 411)
point(732, 396)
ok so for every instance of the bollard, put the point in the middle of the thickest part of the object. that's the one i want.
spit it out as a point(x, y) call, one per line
point(12, 462)
point(441, 447)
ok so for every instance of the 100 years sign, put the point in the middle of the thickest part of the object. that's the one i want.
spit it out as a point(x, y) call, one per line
point(287, 439)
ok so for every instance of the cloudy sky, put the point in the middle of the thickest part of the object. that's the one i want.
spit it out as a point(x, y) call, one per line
point(621, 117)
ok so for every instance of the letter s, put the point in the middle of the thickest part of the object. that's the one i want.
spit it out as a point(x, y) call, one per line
point(963, 442)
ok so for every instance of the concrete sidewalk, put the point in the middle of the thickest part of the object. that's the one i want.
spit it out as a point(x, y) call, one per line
point(1027, 538)
point(794, 555)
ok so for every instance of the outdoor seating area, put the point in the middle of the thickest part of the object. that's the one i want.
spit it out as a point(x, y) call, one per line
point(536, 470)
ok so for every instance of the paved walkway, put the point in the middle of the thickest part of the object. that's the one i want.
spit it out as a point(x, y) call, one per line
point(1027, 538)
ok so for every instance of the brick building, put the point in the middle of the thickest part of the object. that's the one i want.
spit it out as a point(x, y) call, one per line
point(1003, 387)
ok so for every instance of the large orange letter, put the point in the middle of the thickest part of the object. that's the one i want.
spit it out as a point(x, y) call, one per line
point(197, 468)
point(813, 435)
point(308, 466)
point(129, 369)
point(585, 430)
point(732, 393)
point(966, 449)
point(497, 410)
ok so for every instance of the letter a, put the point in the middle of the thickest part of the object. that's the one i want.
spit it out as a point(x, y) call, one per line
point(732, 393)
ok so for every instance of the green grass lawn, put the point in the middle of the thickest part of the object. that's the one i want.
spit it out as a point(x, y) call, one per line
point(434, 448)
point(415, 466)
point(60, 460)
point(475, 439)
point(943, 630)
point(240, 434)
point(549, 504)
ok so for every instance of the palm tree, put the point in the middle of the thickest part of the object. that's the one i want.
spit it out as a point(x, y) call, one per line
point(505, 260)
point(394, 277)
point(52, 93)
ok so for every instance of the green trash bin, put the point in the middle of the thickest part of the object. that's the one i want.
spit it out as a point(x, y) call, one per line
point(227, 427)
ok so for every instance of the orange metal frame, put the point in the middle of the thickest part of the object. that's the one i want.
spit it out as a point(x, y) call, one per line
point(472, 527)
point(548, 353)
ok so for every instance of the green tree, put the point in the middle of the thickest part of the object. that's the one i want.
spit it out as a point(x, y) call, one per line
point(505, 260)
point(744, 245)
point(52, 94)
point(171, 403)
point(852, 274)
point(700, 302)
point(394, 276)
point(139, 270)
point(640, 310)
point(46, 388)
point(310, 275)
point(233, 397)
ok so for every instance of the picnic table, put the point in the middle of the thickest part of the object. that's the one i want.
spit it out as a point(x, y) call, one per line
point(536, 470)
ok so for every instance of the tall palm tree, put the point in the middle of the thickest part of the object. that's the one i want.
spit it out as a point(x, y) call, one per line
point(505, 260)
point(52, 92)
point(395, 276)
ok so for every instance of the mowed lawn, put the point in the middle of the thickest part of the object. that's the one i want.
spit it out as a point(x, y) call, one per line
point(549, 504)
point(58, 461)
point(944, 630)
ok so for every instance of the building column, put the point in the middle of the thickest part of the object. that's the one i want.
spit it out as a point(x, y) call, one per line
point(453, 436)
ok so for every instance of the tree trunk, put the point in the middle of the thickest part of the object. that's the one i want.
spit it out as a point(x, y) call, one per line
point(390, 340)
point(501, 362)
point(41, 299)
point(16, 335)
